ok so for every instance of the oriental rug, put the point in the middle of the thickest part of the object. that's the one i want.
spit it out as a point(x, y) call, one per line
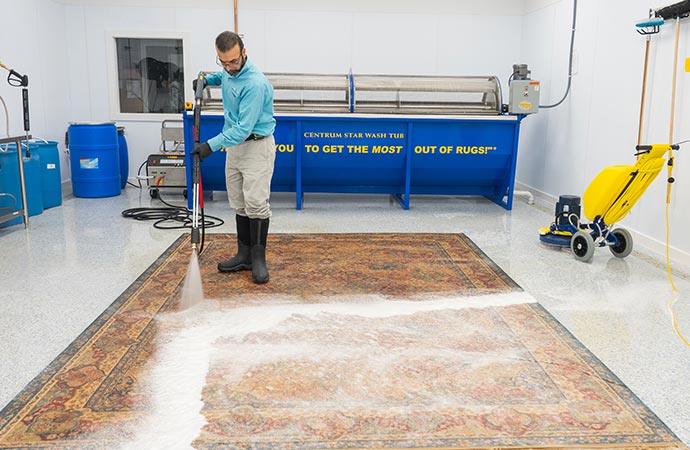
point(359, 341)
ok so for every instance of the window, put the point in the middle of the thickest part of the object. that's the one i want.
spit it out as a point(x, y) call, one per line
point(150, 75)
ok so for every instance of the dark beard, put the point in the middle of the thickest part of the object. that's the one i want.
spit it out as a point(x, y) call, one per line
point(235, 72)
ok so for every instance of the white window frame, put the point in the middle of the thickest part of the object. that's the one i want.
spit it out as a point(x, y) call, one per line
point(113, 74)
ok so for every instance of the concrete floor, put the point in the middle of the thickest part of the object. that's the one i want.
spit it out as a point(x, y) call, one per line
point(616, 307)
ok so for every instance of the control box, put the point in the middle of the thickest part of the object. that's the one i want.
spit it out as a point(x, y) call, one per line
point(524, 97)
point(166, 171)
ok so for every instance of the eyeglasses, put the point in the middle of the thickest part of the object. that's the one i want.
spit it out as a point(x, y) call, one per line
point(232, 63)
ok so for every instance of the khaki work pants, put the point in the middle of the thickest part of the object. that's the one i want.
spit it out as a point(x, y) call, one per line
point(248, 173)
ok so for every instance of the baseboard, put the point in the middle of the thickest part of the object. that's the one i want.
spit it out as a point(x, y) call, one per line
point(656, 250)
point(542, 200)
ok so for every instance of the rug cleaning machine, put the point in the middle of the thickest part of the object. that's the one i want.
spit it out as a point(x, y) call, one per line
point(616, 189)
point(607, 199)
point(399, 135)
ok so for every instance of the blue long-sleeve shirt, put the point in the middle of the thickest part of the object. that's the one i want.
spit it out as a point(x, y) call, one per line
point(247, 105)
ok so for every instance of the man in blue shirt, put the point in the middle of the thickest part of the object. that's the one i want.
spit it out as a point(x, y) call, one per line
point(247, 139)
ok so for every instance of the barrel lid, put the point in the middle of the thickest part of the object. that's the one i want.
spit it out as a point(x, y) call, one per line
point(92, 123)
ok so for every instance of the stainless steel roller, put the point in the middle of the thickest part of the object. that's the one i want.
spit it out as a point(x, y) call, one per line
point(378, 94)
point(310, 93)
point(386, 94)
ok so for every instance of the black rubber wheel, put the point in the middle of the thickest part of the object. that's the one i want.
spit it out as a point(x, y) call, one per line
point(153, 193)
point(625, 243)
point(582, 246)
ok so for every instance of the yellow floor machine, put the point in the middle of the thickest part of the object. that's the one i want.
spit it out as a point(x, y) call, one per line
point(608, 199)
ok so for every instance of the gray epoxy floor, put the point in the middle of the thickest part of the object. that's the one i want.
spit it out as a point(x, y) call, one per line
point(77, 258)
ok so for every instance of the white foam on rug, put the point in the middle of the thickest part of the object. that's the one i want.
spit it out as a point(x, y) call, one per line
point(191, 339)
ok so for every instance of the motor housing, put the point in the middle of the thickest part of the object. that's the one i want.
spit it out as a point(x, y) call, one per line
point(566, 207)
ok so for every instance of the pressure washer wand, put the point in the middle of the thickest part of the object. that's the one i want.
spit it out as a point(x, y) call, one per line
point(197, 192)
point(196, 202)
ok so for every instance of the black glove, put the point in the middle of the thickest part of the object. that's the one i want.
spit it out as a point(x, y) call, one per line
point(196, 80)
point(202, 150)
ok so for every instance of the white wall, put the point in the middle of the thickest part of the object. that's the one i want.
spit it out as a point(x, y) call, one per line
point(563, 149)
point(324, 36)
point(395, 37)
point(33, 42)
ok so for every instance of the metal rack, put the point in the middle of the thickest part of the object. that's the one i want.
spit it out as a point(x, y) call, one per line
point(24, 211)
point(172, 132)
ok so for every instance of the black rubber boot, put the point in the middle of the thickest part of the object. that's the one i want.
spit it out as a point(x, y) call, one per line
point(259, 234)
point(243, 259)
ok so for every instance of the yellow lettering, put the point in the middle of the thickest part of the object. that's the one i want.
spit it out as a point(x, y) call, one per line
point(321, 134)
point(425, 149)
point(472, 150)
point(333, 148)
point(288, 148)
point(390, 149)
point(358, 149)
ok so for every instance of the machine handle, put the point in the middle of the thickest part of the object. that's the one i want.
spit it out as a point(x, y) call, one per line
point(642, 149)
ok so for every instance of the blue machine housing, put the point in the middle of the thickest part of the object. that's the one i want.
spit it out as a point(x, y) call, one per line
point(381, 154)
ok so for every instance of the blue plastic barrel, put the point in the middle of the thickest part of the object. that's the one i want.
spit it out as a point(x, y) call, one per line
point(124, 157)
point(94, 159)
point(51, 182)
point(9, 182)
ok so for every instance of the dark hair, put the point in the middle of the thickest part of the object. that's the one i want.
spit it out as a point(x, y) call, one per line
point(227, 40)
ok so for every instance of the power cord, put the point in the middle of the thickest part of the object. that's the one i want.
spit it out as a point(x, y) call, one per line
point(139, 176)
point(670, 278)
point(668, 258)
point(171, 217)
point(673, 285)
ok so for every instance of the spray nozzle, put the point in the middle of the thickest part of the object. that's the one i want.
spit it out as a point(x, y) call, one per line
point(15, 78)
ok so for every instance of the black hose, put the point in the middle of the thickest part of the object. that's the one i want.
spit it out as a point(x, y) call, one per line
point(172, 217)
